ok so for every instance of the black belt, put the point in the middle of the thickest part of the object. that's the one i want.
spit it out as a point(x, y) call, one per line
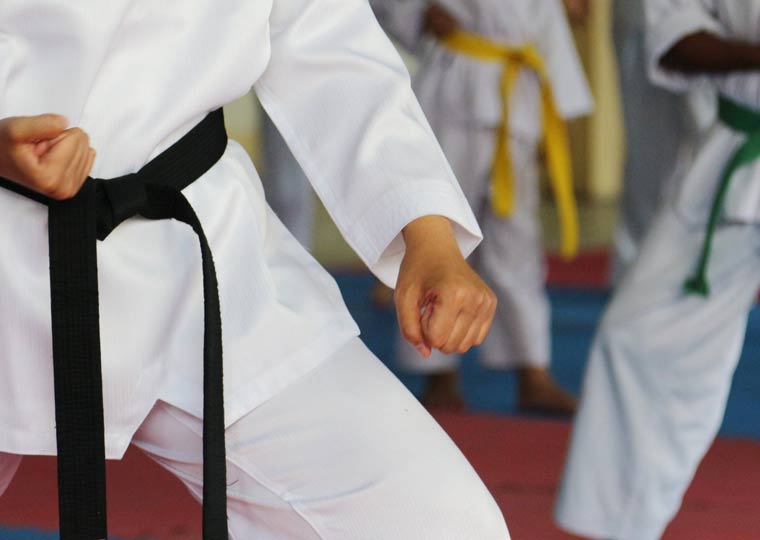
point(74, 227)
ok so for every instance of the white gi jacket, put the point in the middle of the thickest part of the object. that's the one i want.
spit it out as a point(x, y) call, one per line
point(669, 21)
point(137, 75)
point(466, 91)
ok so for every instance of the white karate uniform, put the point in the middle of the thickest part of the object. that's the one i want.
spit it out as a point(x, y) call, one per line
point(137, 75)
point(661, 133)
point(315, 463)
point(461, 98)
point(287, 189)
point(662, 360)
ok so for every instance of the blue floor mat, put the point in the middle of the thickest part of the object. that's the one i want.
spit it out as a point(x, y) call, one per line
point(575, 314)
point(26, 534)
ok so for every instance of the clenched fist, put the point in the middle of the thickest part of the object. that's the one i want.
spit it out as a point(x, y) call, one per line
point(441, 302)
point(39, 153)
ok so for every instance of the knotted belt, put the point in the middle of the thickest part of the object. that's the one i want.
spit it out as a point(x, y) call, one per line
point(75, 225)
point(555, 140)
point(743, 120)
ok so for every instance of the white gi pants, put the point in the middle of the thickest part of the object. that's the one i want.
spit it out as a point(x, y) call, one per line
point(657, 381)
point(510, 258)
point(345, 453)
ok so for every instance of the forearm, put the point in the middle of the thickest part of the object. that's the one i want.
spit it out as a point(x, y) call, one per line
point(704, 52)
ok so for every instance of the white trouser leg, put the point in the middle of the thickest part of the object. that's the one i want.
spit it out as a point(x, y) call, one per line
point(345, 453)
point(511, 260)
point(286, 187)
point(8, 466)
point(657, 382)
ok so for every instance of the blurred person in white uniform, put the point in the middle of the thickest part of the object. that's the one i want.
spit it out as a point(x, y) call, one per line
point(322, 442)
point(463, 100)
point(650, 114)
point(663, 357)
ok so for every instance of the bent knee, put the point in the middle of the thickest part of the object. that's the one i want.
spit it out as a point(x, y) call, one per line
point(455, 506)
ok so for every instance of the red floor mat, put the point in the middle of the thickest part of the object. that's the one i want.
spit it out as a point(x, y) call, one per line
point(519, 460)
point(590, 269)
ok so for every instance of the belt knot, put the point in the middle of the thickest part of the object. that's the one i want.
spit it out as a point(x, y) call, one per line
point(118, 199)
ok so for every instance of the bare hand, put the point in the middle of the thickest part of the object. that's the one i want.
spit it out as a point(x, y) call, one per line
point(39, 153)
point(441, 302)
point(439, 22)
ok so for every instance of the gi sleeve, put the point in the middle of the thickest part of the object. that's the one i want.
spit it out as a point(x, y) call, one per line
point(342, 99)
point(568, 80)
point(402, 19)
point(668, 22)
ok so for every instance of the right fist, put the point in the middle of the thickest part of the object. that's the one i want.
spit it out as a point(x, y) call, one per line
point(39, 153)
point(439, 22)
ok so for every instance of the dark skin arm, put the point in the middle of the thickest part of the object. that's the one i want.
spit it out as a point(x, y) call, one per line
point(704, 52)
point(577, 10)
point(439, 22)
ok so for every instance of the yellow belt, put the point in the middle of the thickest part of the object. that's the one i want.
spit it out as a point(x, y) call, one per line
point(555, 139)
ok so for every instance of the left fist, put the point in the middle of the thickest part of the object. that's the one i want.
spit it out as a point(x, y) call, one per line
point(441, 302)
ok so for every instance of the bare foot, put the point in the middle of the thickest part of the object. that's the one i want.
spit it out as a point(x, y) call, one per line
point(540, 393)
point(442, 392)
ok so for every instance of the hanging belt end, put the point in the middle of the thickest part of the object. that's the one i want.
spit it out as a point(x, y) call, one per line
point(502, 207)
point(569, 248)
point(697, 285)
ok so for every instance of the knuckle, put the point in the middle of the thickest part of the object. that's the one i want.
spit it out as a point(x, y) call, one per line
point(440, 343)
point(460, 294)
point(46, 183)
point(63, 192)
point(409, 334)
point(484, 299)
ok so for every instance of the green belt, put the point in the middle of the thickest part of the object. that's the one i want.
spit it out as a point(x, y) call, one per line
point(744, 120)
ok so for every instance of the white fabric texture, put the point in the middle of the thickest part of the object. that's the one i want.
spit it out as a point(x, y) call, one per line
point(286, 187)
point(510, 258)
point(467, 91)
point(345, 453)
point(661, 363)
point(669, 21)
point(661, 132)
point(657, 382)
point(137, 75)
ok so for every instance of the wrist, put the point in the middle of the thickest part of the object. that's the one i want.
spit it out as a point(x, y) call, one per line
point(430, 233)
